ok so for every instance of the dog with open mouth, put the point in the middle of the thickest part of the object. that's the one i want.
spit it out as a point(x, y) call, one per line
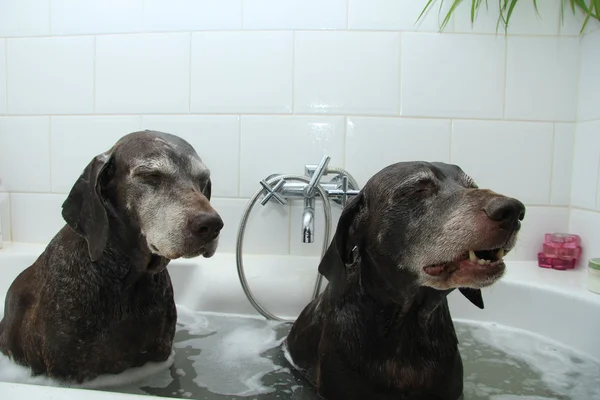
point(382, 327)
point(99, 299)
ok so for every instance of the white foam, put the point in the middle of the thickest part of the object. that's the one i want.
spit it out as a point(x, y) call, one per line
point(235, 359)
point(13, 373)
point(561, 368)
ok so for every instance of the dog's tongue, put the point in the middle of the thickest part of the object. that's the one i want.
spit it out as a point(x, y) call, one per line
point(434, 270)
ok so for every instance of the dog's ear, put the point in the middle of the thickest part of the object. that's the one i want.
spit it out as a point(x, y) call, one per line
point(339, 253)
point(474, 296)
point(84, 211)
point(208, 189)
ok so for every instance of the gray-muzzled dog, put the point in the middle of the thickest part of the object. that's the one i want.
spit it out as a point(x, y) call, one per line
point(99, 299)
point(382, 329)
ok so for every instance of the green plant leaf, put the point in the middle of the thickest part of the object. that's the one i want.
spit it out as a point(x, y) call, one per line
point(507, 7)
point(455, 4)
point(425, 9)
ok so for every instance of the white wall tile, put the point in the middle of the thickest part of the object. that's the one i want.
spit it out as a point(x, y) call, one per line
point(284, 144)
point(242, 72)
point(299, 248)
point(216, 140)
point(457, 76)
point(511, 158)
point(5, 216)
point(74, 17)
point(267, 229)
point(2, 76)
point(347, 72)
point(231, 211)
point(538, 221)
point(562, 166)
point(24, 17)
point(90, 136)
point(404, 139)
point(486, 19)
point(589, 79)
point(541, 78)
point(50, 75)
point(587, 225)
point(36, 217)
point(295, 14)
point(397, 15)
point(148, 73)
point(586, 164)
point(524, 20)
point(24, 154)
point(181, 15)
point(572, 23)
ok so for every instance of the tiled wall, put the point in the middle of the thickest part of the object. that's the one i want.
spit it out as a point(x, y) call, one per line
point(585, 200)
point(265, 86)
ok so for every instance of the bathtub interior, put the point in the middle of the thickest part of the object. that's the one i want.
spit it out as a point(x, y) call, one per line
point(527, 298)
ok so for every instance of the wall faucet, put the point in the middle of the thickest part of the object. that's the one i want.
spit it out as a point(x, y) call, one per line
point(281, 187)
point(338, 189)
point(308, 216)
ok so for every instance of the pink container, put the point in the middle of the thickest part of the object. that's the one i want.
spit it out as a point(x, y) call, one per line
point(560, 251)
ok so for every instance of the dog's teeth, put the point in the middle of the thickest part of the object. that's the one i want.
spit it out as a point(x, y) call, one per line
point(472, 257)
point(500, 254)
point(481, 262)
point(487, 262)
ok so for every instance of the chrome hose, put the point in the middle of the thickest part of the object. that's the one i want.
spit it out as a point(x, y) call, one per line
point(240, 238)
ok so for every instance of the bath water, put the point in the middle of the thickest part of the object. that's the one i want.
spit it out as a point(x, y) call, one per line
point(225, 357)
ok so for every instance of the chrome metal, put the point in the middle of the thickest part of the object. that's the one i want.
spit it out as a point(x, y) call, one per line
point(309, 190)
point(271, 192)
point(240, 243)
point(344, 190)
point(308, 220)
point(280, 188)
point(333, 190)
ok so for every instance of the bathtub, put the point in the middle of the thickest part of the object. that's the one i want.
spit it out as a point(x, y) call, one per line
point(554, 304)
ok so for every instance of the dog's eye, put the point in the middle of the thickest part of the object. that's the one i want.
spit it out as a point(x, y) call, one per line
point(150, 177)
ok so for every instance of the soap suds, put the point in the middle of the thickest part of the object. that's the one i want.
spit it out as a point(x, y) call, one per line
point(11, 372)
point(236, 359)
point(560, 368)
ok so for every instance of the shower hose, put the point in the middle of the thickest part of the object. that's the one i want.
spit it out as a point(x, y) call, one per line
point(240, 238)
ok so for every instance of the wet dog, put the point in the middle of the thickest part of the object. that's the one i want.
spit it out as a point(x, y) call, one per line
point(99, 299)
point(382, 328)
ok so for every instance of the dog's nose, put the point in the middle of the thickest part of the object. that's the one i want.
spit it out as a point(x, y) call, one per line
point(206, 225)
point(506, 211)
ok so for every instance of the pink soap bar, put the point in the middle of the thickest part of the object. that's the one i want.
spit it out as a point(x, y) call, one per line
point(555, 263)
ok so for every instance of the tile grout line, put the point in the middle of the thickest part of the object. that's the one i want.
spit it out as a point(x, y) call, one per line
point(576, 123)
point(552, 163)
point(190, 74)
point(401, 40)
point(597, 183)
point(246, 199)
point(293, 72)
point(345, 142)
point(6, 74)
point(50, 150)
point(94, 75)
point(450, 141)
point(239, 158)
point(347, 15)
point(288, 114)
point(150, 31)
point(505, 78)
